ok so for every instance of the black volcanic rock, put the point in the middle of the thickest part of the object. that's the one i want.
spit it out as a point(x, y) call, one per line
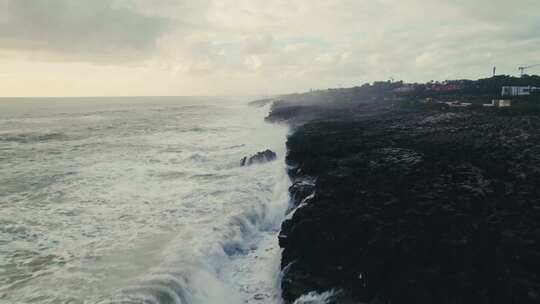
point(413, 205)
point(259, 158)
point(301, 190)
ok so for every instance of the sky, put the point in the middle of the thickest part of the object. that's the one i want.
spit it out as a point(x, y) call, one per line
point(255, 47)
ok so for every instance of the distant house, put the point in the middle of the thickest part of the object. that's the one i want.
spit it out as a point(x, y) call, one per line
point(503, 103)
point(499, 103)
point(518, 91)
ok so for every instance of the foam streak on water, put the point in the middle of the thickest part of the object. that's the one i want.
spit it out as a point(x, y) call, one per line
point(138, 200)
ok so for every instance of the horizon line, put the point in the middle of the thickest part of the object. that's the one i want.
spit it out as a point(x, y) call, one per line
point(137, 96)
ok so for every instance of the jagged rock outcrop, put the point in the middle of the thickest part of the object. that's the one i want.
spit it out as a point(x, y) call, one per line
point(259, 158)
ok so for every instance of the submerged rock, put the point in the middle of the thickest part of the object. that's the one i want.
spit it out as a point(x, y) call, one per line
point(259, 158)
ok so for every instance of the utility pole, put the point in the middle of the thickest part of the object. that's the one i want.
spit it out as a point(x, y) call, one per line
point(494, 70)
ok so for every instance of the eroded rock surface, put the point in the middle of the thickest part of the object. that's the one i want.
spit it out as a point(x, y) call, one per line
point(415, 206)
point(259, 158)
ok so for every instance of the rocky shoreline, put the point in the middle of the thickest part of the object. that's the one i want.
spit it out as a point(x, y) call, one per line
point(411, 204)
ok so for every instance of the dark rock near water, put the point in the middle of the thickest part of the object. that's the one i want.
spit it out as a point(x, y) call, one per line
point(259, 158)
point(301, 190)
point(413, 205)
point(261, 102)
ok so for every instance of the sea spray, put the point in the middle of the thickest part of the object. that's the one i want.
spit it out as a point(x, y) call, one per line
point(142, 203)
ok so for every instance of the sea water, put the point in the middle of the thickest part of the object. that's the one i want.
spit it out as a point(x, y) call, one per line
point(139, 200)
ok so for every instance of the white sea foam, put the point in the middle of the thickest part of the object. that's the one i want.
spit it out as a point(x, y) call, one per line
point(316, 298)
point(139, 202)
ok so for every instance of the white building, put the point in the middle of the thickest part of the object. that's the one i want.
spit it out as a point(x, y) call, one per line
point(518, 91)
point(500, 103)
point(503, 103)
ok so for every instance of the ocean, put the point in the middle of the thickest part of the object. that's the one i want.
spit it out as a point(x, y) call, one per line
point(139, 200)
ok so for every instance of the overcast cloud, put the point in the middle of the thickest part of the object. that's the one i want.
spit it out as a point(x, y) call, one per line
point(204, 47)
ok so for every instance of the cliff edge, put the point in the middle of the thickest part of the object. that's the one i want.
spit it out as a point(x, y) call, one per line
point(420, 204)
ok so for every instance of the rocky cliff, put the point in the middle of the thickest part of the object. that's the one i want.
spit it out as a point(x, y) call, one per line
point(412, 205)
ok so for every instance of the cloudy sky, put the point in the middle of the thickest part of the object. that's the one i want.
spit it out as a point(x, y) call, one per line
point(241, 47)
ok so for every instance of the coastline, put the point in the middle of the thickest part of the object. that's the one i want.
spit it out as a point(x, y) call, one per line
point(410, 205)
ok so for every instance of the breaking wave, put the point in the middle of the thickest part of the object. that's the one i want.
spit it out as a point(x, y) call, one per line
point(141, 211)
